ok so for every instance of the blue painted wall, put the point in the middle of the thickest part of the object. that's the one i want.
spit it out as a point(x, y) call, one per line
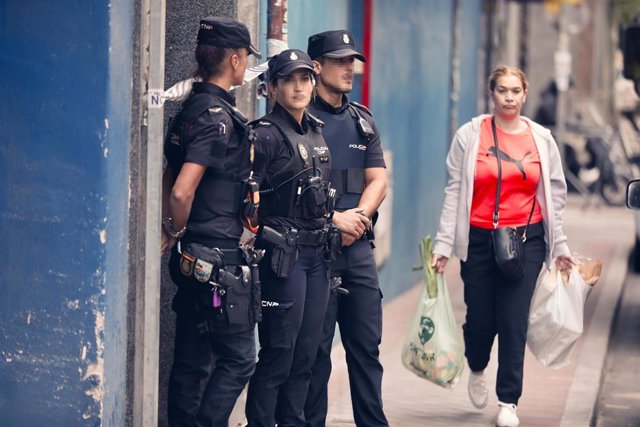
point(469, 50)
point(65, 85)
point(410, 98)
point(308, 17)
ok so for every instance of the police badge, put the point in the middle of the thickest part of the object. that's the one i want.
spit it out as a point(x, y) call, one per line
point(202, 271)
point(345, 38)
point(303, 151)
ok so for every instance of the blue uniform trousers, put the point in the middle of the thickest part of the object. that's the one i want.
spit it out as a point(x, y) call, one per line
point(212, 362)
point(498, 306)
point(292, 314)
point(359, 316)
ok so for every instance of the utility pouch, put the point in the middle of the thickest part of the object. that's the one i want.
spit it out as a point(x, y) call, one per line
point(314, 197)
point(200, 262)
point(285, 250)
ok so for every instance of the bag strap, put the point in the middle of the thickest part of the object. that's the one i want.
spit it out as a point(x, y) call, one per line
point(495, 211)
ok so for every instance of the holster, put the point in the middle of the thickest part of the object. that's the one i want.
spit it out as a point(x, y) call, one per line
point(285, 250)
point(237, 286)
point(231, 280)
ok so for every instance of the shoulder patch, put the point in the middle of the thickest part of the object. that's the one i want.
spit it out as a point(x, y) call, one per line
point(215, 110)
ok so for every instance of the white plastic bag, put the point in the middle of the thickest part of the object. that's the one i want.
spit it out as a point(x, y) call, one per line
point(433, 348)
point(556, 317)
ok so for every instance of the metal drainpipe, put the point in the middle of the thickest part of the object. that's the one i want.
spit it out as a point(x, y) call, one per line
point(367, 29)
point(277, 31)
point(147, 312)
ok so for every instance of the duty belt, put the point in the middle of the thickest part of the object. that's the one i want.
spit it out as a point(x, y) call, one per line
point(306, 237)
point(233, 256)
point(230, 256)
point(312, 238)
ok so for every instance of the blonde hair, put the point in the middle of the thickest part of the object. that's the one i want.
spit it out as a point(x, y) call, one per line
point(504, 70)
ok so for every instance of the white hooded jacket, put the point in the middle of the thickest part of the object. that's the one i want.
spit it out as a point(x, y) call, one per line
point(453, 232)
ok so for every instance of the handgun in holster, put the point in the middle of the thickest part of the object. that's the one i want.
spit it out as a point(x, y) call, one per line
point(285, 250)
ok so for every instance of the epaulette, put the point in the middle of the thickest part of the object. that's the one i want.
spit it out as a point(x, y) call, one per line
point(360, 106)
point(259, 122)
point(314, 121)
point(235, 113)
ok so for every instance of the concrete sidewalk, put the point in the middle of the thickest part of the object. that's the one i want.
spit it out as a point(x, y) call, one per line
point(564, 397)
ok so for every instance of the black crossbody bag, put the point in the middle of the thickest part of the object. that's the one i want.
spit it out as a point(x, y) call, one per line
point(508, 246)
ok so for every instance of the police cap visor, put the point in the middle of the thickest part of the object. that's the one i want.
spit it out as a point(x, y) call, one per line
point(333, 44)
point(288, 61)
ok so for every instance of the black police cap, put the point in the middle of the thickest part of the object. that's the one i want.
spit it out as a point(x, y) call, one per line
point(225, 32)
point(287, 61)
point(333, 44)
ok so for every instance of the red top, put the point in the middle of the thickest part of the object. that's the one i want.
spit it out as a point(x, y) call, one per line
point(520, 176)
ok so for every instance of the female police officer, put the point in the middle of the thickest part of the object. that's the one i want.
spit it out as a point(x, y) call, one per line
point(208, 155)
point(293, 165)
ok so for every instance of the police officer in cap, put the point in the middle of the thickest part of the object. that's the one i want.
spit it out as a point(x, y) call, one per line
point(208, 152)
point(293, 166)
point(360, 178)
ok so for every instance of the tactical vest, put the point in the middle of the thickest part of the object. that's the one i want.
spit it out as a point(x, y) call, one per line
point(299, 190)
point(348, 148)
point(220, 190)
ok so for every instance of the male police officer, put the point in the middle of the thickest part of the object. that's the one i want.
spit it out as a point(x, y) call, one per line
point(358, 173)
point(208, 152)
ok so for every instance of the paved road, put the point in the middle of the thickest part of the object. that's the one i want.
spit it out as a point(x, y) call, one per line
point(619, 403)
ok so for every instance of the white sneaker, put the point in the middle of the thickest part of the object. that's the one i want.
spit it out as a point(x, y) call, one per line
point(507, 416)
point(478, 389)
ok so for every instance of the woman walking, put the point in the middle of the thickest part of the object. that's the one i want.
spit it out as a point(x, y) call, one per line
point(517, 159)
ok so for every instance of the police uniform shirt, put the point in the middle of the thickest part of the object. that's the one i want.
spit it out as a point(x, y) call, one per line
point(272, 154)
point(338, 123)
point(213, 143)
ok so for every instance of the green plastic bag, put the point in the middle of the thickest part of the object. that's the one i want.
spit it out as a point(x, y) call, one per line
point(433, 348)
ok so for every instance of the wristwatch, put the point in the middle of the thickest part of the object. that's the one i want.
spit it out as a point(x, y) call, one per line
point(167, 224)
